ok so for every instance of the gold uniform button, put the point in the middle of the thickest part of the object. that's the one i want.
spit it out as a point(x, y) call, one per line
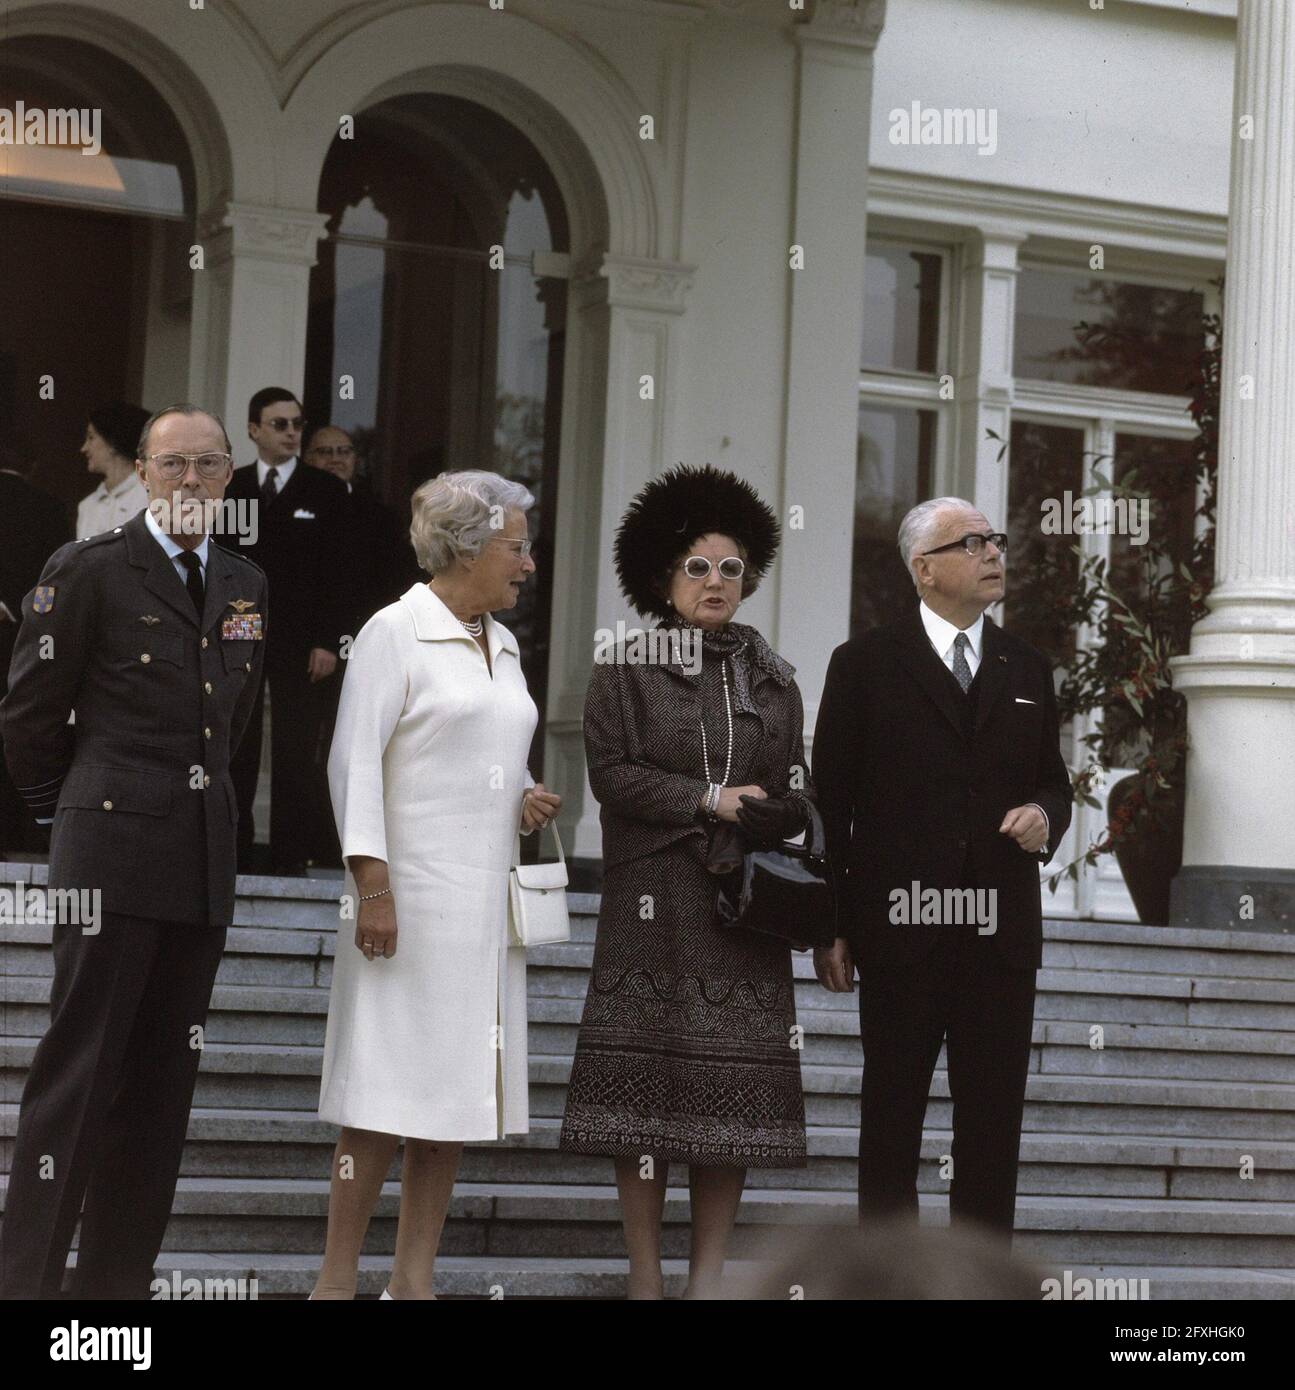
point(204, 644)
point(206, 685)
point(145, 658)
point(247, 666)
point(107, 805)
point(206, 781)
point(206, 733)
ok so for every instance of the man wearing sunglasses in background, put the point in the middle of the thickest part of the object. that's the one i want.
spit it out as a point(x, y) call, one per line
point(152, 638)
point(303, 546)
point(937, 764)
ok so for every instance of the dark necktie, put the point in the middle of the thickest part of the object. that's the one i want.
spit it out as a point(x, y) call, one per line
point(270, 487)
point(961, 671)
point(193, 578)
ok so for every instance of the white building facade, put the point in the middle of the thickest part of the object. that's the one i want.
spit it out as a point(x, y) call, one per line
point(740, 232)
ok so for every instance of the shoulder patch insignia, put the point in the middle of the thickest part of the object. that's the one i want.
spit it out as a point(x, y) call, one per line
point(42, 601)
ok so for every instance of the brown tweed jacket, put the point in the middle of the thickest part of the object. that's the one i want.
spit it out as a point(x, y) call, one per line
point(644, 750)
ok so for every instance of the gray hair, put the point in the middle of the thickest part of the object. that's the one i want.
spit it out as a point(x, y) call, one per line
point(179, 408)
point(917, 529)
point(456, 514)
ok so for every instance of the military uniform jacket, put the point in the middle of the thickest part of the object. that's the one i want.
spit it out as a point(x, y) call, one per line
point(138, 785)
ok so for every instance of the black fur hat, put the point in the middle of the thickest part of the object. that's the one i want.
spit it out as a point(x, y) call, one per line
point(670, 513)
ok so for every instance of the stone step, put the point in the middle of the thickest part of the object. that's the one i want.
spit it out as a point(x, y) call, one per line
point(283, 927)
point(286, 1077)
point(295, 1144)
point(292, 1276)
point(256, 1013)
point(1065, 996)
point(1149, 1050)
point(265, 901)
point(230, 1214)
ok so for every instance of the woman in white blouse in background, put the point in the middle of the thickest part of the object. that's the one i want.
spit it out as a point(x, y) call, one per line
point(426, 1034)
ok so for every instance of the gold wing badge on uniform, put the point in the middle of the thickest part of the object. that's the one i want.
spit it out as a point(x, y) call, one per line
point(241, 605)
point(42, 601)
point(149, 619)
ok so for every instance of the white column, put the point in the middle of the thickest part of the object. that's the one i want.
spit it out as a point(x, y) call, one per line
point(251, 305)
point(816, 508)
point(625, 321)
point(983, 385)
point(1239, 677)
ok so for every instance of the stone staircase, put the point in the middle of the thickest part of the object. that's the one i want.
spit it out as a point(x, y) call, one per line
point(1130, 1164)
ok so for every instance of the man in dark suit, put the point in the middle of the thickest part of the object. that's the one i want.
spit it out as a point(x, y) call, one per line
point(385, 566)
point(303, 548)
point(942, 790)
point(32, 527)
point(153, 638)
point(385, 562)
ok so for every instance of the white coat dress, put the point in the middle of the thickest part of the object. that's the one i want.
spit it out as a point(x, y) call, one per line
point(427, 771)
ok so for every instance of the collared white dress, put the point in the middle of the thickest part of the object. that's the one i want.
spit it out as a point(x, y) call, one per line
point(427, 771)
point(101, 510)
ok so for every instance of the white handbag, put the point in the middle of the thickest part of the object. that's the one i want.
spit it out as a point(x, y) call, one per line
point(537, 899)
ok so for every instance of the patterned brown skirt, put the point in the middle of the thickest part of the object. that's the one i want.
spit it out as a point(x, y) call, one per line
point(688, 1046)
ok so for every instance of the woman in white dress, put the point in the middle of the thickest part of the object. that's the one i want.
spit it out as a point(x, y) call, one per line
point(426, 1034)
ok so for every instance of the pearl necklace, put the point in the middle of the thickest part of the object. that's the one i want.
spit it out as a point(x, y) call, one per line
point(728, 710)
point(474, 629)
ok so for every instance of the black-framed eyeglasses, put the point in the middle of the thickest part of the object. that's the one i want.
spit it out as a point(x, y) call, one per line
point(972, 543)
point(283, 422)
point(172, 466)
point(698, 567)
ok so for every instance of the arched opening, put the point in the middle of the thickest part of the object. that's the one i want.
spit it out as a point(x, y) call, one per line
point(97, 195)
point(438, 306)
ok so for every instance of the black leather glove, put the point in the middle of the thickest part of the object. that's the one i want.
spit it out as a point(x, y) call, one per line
point(770, 821)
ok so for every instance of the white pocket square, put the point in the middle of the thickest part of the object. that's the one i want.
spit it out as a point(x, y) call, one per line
point(303, 515)
point(1019, 701)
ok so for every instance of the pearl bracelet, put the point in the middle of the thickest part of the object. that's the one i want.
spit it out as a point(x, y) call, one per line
point(369, 897)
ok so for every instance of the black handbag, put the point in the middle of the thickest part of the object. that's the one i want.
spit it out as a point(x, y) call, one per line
point(784, 893)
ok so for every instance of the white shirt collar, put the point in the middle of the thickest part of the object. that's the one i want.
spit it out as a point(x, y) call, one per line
point(285, 471)
point(942, 632)
point(434, 621)
point(173, 548)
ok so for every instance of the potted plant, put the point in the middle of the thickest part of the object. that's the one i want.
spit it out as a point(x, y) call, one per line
point(1143, 610)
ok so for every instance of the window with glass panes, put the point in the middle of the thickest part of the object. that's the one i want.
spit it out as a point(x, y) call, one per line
point(901, 416)
point(1103, 368)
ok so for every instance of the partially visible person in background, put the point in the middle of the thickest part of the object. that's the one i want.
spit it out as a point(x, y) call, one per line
point(302, 546)
point(32, 527)
point(384, 566)
point(109, 449)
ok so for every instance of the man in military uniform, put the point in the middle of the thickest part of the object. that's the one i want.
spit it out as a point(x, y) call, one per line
point(151, 637)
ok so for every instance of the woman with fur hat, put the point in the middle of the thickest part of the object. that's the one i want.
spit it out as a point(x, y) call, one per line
point(685, 1051)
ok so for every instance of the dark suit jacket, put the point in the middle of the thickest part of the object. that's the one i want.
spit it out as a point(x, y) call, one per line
point(386, 565)
point(303, 547)
point(139, 785)
point(643, 745)
point(912, 790)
